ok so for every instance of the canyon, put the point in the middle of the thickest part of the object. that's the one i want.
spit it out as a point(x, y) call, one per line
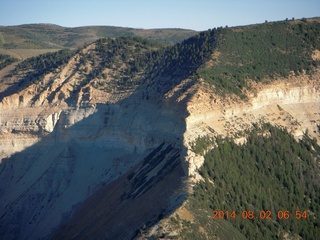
point(78, 161)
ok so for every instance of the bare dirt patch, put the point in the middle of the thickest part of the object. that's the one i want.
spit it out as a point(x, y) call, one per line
point(214, 59)
point(316, 55)
point(185, 214)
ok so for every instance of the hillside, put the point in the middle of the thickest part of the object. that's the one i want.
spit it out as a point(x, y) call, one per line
point(127, 138)
point(262, 52)
point(48, 36)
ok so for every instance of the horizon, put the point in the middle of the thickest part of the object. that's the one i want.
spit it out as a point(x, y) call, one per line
point(194, 15)
point(53, 24)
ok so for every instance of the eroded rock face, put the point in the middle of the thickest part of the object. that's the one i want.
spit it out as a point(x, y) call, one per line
point(55, 157)
point(74, 152)
point(68, 148)
point(141, 197)
point(62, 139)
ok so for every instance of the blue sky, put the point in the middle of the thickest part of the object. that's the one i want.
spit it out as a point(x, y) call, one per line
point(189, 14)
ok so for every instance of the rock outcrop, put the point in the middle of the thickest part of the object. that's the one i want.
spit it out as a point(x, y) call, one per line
point(74, 152)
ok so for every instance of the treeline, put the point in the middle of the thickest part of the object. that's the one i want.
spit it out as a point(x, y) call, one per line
point(262, 52)
point(44, 63)
point(274, 173)
point(135, 52)
point(184, 58)
point(6, 60)
point(172, 64)
point(126, 58)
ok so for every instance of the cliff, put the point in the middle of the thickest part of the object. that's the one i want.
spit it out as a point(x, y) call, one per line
point(99, 144)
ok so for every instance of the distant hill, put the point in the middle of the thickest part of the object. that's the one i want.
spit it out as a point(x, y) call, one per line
point(44, 36)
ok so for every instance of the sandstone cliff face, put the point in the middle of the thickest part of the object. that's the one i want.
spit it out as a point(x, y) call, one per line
point(63, 156)
point(56, 155)
point(59, 147)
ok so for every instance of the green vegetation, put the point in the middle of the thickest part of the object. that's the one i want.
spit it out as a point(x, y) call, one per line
point(202, 144)
point(6, 60)
point(171, 65)
point(261, 52)
point(44, 63)
point(228, 57)
point(184, 58)
point(274, 173)
point(134, 51)
point(224, 57)
point(126, 58)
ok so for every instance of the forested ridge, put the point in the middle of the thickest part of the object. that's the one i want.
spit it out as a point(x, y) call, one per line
point(262, 53)
point(226, 57)
point(136, 53)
